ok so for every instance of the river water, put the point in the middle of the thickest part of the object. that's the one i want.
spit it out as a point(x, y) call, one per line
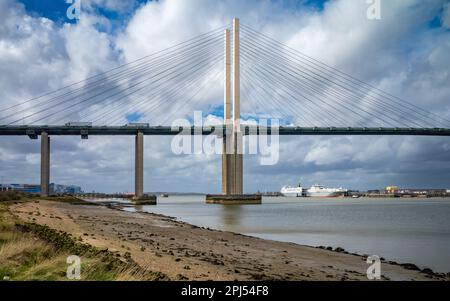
point(403, 230)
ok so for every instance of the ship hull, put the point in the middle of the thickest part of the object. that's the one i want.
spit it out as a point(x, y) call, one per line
point(323, 194)
point(292, 194)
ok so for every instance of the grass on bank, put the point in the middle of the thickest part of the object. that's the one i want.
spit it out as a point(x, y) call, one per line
point(30, 251)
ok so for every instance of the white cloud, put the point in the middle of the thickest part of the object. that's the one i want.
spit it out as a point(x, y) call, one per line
point(446, 16)
point(330, 151)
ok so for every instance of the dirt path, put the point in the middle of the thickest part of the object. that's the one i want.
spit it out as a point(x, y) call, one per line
point(183, 251)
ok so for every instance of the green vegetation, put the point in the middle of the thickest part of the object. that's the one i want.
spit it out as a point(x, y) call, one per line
point(11, 195)
point(30, 251)
point(68, 199)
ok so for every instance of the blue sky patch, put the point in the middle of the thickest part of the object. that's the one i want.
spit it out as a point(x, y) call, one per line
point(133, 117)
point(57, 11)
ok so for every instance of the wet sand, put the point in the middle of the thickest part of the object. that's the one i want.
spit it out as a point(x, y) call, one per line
point(183, 251)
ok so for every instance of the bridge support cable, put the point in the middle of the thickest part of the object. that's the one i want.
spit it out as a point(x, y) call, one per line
point(60, 98)
point(127, 91)
point(346, 77)
point(271, 96)
point(178, 91)
point(340, 76)
point(322, 88)
point(118, 70)
point(160, 98)
point(290, 96)
point(284, 97)
point(160, 87)
point(338, 79)
point(207, 80)
point(168, 100)
point(316, 92)
point(254, 100)
point(290, 86)
point(158, 80)
point(319, 92)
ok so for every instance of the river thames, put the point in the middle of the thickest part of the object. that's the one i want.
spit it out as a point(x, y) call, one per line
point(403, 230)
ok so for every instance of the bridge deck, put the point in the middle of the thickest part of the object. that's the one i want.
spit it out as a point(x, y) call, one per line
point(34, 131)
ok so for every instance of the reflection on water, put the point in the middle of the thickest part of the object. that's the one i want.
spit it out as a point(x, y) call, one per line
point(231, 216)
point(404, 230)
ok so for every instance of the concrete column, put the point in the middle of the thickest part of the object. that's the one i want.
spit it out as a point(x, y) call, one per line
point(226, 147)
point(238, 164)
point(45, 164)
point(139, 166)
point(237, 136)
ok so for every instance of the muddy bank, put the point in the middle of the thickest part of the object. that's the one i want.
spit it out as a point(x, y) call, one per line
point(184, 251)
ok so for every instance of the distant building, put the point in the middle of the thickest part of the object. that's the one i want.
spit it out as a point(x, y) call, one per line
point(391, 189)
point(36, 189)
point(64, 189)
point(28, 188)
point(395, 191)
point(422, 191)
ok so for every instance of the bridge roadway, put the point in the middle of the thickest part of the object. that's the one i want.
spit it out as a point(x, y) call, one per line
point(139, 131)
point(33, 131)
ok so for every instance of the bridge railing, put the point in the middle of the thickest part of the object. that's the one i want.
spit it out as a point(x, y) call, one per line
point(34, 131)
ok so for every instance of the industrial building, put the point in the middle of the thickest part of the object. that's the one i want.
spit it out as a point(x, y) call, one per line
point(36, 189)
point(409, 192)
point(28, 188)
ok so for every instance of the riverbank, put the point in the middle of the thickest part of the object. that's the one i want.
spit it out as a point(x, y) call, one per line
point(31, 251)
point(183, 251)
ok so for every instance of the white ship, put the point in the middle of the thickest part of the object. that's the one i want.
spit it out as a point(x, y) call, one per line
point(316, 190)
point(293, 191)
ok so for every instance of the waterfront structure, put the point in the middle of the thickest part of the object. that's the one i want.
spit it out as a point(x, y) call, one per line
point(324, 109)
point(408, 192)
point(36, 188)
point(391, 189)
point(27, 188)
point(64, 189)
point(422, 192)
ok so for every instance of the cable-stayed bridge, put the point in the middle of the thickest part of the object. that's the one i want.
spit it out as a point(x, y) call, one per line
point(212, 73)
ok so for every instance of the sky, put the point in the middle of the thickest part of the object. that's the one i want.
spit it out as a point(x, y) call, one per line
point(404, 53)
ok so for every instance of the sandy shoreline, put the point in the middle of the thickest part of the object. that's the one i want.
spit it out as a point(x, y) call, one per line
point(184, 251)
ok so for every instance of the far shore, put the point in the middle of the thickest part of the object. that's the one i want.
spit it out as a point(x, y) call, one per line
point(183, 251)
point(381, 196)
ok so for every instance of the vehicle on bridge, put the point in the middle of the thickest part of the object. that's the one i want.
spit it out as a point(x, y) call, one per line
point(137, 125)
point(79, 124)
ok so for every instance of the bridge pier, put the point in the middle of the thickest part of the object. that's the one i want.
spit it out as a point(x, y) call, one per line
point(227, 157)
point(232, 161)
point(232, 157)
point(238, 171)
point(45, 164)
point(139, 166)
point(237, 162)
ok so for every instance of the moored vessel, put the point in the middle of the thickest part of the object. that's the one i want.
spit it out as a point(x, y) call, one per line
point(290, 191)
point(315, 190)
